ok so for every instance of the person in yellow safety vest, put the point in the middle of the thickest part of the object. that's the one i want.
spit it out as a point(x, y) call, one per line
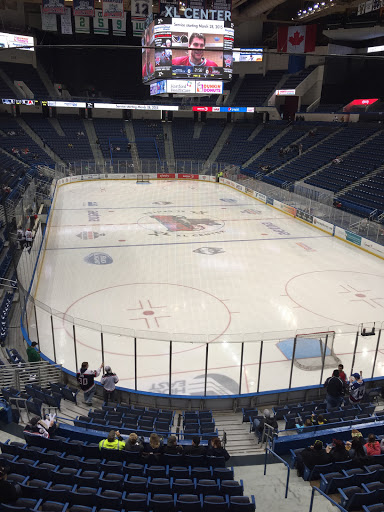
point(219, 175)
point(114, 441)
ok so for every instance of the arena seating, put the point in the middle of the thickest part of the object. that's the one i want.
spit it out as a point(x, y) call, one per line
point(111, 133)
point(28, 75)
point(255, 89)
point(63, 473)
point(295, 80)
point(153, 135)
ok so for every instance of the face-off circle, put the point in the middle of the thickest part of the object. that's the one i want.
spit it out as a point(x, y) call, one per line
point(155, 308)
point(341, 296)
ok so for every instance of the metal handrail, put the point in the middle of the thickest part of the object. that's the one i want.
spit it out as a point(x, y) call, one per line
point(316, 489)
point(268, 450)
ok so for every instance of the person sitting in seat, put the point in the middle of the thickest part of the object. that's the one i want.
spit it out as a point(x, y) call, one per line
point(172, 447)
point(133, 443)
point(312, 456)
point(9, 492)
point(339, 452)
point(114, 441)
point(195, 448)
point(43, 428)
point(373, 446)
point(268, 419)
point(216, 450)
point(153, 448)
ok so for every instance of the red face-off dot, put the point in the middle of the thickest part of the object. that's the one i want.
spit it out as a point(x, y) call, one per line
point(148, 312)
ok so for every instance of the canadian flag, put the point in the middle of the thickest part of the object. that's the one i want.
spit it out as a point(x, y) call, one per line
point(293, 39)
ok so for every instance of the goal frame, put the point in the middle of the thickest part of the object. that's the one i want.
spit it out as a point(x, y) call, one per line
point(143, 178)
point(326, 342)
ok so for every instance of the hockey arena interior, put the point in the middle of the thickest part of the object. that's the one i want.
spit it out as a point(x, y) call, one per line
point(191, 256)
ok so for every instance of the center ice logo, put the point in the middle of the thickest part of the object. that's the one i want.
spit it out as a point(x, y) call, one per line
point(181, 223)
point(98, 258)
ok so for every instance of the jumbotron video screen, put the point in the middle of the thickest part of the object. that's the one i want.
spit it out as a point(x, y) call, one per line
point(187, 48)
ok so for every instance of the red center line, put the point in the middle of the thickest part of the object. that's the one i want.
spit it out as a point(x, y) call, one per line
point(134, 223)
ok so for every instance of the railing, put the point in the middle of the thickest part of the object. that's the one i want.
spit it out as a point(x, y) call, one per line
point(267, 451)
point(247, 356)
point(19, 375)
point(316, 489)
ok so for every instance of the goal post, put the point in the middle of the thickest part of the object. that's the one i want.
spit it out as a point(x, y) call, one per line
point(142, 178)
point(315, 351)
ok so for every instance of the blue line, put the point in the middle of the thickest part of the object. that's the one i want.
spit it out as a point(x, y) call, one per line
point(187, 243)
point(153, 206)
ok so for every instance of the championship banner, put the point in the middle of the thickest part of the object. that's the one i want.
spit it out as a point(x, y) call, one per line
point(119, 26)
point(223, 5)
point(138, 27)
point(82, 24)
point(84, 8)
point(53, 7)
point(113, 9)
point(66, 22)
point(49, 22)
point(100, 24)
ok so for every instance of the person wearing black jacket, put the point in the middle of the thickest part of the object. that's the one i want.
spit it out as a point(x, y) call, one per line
point(172, 447)
point(195, 448)
point(335, 390)
point(216, 450)
point(133, 444)
point(313, 456)
point(9, 492)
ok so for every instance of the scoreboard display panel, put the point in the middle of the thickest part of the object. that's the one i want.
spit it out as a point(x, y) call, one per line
point(188, 48)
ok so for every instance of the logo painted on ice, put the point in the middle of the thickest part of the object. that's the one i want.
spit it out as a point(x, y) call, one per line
point(210, 251)
point(89, 235)
point(98, 258)
point(93, 215)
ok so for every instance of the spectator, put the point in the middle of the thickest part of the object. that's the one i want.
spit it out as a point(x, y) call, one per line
point(172, 447)
point(20, 237)
point(320, 420)
point(216, 450)
point(109, 381)
point(261, 422)
point(133, 444)
point(356, 388)
point(342, 374)
point(28, 237)
point(32, 353)
point(114, 441)
point(339, 452)
point(195, 448)
point(300, 425)
point(9, 492)
point(335, 390)
point(86, 379)
point(356, 447)
point(313, 456)
point(153, 449)
point(43, 428)
point(373, 446)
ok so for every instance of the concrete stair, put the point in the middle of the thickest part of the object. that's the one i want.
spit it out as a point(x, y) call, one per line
point(56, 126)
point(168, 146)
point(220, 143)
point(255, 132)
point(10, 155)
point(239, 440)
point(130, 133)
point(47, 82)
point(197, 130)
point(270, 144)
point(311, 148)
point(343, 155)
point(28, 130)
point(235, 89)
point(92, 137)
point(361, 180)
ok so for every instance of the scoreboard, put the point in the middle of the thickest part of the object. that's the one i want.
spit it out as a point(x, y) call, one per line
point(183, 48)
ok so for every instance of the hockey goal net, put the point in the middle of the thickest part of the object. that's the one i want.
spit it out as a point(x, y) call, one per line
point(142, 178)
point(315, 350)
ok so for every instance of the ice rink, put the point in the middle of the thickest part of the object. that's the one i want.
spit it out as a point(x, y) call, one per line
point(196, 262)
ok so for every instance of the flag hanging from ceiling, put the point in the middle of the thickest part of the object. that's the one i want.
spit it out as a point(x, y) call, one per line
point(84, 8)
point(53, 7)
point(113, 9)
point(296, 39)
